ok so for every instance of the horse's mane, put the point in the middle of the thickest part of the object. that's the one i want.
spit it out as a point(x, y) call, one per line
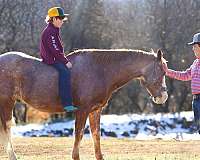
point(110, 51)
point(103, 56)
point(111, 55)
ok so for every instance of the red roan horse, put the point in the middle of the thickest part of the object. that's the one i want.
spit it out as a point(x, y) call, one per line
point(95, 75)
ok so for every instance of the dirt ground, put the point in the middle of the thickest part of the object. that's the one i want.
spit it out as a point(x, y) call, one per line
point(61, 148)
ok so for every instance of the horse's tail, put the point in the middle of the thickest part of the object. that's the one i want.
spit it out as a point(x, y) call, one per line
point(3, 125)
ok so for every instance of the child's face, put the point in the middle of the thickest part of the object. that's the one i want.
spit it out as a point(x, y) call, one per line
point(196, 50)
point(57, 22)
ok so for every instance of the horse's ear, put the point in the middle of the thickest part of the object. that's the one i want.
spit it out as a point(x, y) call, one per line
point(152, 51)
point(159, 54)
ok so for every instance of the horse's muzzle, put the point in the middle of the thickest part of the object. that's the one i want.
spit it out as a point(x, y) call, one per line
point(161, 99)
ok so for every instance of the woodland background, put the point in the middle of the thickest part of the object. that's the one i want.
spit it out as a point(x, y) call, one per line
point(134, 24)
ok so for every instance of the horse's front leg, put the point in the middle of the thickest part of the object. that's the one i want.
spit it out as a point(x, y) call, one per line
point(94, 118)
point(80, 121)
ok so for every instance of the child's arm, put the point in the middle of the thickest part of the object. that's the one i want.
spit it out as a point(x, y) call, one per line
point(179, 75)
point(52, 41)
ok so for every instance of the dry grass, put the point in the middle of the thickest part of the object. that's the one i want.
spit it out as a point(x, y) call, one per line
point(113, 149)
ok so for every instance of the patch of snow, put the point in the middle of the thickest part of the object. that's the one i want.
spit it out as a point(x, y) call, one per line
point(178, 126)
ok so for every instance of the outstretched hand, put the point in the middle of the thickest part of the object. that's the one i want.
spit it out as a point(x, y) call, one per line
point(165, 67)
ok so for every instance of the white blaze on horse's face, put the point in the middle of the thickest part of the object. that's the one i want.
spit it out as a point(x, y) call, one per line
point(164, 97)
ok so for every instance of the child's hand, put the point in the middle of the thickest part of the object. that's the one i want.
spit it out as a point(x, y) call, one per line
point(69, 65)
point(165, 67)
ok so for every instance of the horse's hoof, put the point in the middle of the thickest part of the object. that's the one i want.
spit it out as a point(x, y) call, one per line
point(76, 158)
point(12, 157)
point(100, 157)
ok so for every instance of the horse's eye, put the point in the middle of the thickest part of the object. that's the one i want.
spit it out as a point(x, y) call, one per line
point(143, 82)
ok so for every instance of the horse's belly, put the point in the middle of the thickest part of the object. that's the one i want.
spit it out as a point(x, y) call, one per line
point(46, 108)
point(43, 101)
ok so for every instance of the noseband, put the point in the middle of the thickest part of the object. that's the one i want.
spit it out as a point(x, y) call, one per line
point(162, 89)
point(154, 81)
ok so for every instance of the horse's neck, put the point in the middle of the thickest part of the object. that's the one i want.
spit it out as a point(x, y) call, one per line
point(118, 68)
point(130, 68)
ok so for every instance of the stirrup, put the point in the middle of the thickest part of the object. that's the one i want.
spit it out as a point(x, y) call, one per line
point(70, 108)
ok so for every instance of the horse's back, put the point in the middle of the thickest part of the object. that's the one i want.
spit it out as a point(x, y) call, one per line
point(30, 79)
point(8, 66)
point(21, 64)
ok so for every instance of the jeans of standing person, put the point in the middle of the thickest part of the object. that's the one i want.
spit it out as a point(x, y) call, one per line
point(64, 83)
point(196, 109)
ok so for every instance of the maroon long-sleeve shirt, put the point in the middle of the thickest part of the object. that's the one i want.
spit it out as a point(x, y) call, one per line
point(51, 48)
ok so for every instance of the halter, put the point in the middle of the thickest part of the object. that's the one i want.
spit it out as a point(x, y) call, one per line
point(155, 80)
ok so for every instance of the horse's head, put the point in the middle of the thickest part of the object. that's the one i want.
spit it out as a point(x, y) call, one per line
point(154, 79)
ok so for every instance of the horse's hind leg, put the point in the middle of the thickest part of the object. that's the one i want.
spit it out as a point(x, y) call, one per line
point(94, 118)
point(5, 138)
point(5, 134)
point(80, 121)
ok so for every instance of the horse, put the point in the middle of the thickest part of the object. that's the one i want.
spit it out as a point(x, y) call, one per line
point(95, 75)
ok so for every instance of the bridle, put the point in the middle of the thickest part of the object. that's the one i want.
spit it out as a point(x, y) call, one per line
point(154, 82)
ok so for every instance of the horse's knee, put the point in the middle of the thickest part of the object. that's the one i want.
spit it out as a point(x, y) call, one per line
point(4, 138)
point(4, 134)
